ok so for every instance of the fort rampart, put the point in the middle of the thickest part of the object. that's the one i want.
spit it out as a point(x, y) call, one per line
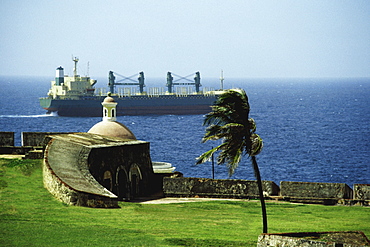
point(305, 192)
point(226, 188)
point(30, 140)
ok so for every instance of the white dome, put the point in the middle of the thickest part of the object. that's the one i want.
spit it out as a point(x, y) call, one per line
point(113, 129)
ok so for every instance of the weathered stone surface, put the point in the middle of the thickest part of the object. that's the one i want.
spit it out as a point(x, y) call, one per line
point(94, 170)
point(361, 191)
point(67, 161)
point(6, 138)
point(315, 190)
point(227, 188)
point(36, 139)
point(69, 196)
point(316, 239)
point(354, 202)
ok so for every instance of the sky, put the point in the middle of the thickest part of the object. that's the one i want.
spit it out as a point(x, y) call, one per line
point(245, 39)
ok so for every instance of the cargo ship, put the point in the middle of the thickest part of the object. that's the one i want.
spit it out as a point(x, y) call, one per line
point(76, 96)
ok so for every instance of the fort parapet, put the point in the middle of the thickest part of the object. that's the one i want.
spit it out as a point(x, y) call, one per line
point(308, 192)
point(34, 143)
point(226, 188)
point(361, 191)
point(6, 138)
point(37, 139)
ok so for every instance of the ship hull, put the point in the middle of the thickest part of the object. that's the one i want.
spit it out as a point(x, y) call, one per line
point(134, 105)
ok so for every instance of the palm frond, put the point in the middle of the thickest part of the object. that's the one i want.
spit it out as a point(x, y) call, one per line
point(229, 120)
point(206, 156)
point(231, 155)
point(215, 132)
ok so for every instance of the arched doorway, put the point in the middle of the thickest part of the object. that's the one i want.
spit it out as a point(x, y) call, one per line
point(135, 178)
point(122, 185)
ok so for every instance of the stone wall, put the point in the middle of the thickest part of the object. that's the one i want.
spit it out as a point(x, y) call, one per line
point(30, 141)
point(227, 188)
point(315, 190)
point(6, 138)
point(94, 170)
point(34, 154)
point(129, 159)
point(15, 150)
point(317, 239)
point(361, 191)
point(36, 139)
point(300, 192)
point(69, 196)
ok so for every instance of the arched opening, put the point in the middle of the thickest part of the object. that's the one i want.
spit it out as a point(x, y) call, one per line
point(113, 113)
point(134, 186)
point(135, 179)
point(121, 186)
point(107, 180)
point(105, 112)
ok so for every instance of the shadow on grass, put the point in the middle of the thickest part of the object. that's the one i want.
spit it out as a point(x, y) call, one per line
point(3, 183)
point(26, 167)
point(205, 242)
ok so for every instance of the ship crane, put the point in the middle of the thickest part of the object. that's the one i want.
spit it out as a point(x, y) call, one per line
point(171, 83)
point(113, 83)
point(222, 80)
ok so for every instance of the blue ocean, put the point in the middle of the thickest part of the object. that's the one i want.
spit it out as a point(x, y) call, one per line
point(314, 130)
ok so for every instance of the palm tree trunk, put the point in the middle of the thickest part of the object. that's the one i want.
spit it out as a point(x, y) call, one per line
point(260, 191)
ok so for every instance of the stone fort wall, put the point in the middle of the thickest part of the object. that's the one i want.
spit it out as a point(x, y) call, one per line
point(211, 187)
point(69, 196)
point(303, 192)
point(31, 141)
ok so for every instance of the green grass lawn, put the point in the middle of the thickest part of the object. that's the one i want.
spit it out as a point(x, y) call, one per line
point(30, 216)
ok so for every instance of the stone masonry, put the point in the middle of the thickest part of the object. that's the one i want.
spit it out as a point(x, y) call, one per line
point(94, 170)
point(6, 138)
point(315, 239)
point(226, 188)
point(361, 191)
point(315, 190)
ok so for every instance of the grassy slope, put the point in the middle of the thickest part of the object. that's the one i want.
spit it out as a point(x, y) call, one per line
point(30, 216)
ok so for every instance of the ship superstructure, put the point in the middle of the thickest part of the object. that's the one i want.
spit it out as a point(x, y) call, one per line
point(71, 87)
point(76, 96)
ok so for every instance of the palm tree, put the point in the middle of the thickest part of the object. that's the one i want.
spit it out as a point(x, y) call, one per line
point(229, 120)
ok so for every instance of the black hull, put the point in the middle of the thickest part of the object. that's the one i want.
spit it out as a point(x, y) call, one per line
point(141, 105)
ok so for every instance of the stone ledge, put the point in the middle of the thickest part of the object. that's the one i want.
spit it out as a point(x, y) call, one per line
point(315, 190)
point(218, 188)
point(317, 239)
point(34, 154)
point(323, 201)
point(310, 200)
